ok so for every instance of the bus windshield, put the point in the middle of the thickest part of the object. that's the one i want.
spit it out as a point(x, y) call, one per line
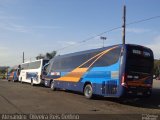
point(139, 60)
point(45, 62)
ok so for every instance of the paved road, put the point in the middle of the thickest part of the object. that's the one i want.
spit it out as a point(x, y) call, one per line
point(23, 98)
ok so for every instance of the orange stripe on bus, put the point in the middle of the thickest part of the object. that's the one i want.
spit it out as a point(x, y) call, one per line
point(77, 73)
point(74, 76)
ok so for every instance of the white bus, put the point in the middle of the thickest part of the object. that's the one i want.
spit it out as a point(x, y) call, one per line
point(31, 72)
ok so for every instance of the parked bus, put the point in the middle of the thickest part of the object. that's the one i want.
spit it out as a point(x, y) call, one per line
point(13, 73)
point(111, 71)
point(31, 72)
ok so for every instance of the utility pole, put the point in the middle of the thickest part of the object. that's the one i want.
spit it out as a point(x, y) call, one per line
point(23, 58)
point(103, 38)
point(124, 25)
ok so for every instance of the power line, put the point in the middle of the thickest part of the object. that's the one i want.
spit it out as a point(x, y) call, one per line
point(143, 20)
point(90, 38)
point(80, 43)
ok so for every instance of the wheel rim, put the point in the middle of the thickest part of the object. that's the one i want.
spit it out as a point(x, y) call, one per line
point(88, 91)
point(52, 85)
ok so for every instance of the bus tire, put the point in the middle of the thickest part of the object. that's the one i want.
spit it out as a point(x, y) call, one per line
point(32, 82)
point(88, 91)
point(21, 81)
point(52, 86)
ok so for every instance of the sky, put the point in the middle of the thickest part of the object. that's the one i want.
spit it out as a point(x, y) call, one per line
point(39, 26)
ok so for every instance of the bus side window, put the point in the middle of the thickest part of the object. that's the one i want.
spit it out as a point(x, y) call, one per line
point(45, 71)
point(109, 58)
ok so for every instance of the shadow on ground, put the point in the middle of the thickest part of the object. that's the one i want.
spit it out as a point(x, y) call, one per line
point(152, 102)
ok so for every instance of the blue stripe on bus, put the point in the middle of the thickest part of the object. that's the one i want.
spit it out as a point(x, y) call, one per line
point(113, 67)
point(97, 88)
point(97, 76)
point(64, 73)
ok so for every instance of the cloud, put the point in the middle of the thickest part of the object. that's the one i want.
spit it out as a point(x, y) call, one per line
point(15, 28)
point(4, 51)
point(4, 17)
point(45, 27)
point(3, 48)
point(65, 43)
point(137, 30)
point(155, 46)
point(70, 43)
point(6, 23)
point(24, 29)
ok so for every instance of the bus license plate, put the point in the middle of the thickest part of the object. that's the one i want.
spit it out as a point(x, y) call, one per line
point(139, 93)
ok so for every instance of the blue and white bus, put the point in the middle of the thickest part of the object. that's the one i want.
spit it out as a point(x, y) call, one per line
point(110, 71)
point(31, 72)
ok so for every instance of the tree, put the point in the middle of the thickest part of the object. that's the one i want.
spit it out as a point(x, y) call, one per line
point(47, 55)
point(40, 56)
point(3, 71)
point(156, 70)
point(50, 55)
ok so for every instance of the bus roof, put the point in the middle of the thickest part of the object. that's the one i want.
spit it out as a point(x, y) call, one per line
point(86, 51)
point(34, 61)
point(98, 49)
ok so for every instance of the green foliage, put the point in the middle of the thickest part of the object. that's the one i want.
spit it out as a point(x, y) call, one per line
point(47, 55)
point(50, 55)
point(3, 73)
point(156, 70)
point(40, 56)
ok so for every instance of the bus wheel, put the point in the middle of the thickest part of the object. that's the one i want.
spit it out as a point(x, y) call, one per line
point(53, 86)
point(88, 91)
point(21, 80)
point(32, 82)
